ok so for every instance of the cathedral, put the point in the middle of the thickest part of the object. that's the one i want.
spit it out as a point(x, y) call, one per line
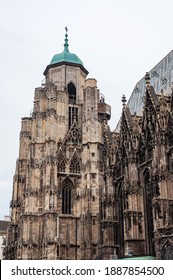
point(82, 191)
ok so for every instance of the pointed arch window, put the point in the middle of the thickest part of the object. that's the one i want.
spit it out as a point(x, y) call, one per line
point(71, 93)
point(149, 211)
point(67, 187)
point(167, 251)
point(75, 166)
point(61, 164)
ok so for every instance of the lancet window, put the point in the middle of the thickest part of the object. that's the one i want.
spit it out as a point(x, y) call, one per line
point(149, 210)
point(71, 93)
point(67, 187)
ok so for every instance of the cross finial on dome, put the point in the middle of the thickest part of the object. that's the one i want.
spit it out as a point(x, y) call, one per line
point(66, 40)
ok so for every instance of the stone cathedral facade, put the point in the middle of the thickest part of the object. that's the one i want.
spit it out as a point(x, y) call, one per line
point(81, 191)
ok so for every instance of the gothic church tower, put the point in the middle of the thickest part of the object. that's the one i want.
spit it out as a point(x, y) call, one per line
point(62, 202)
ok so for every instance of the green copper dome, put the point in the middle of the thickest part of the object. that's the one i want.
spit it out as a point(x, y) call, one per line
point(66, 56)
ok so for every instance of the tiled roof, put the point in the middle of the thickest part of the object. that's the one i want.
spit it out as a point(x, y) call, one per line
point(161, 77)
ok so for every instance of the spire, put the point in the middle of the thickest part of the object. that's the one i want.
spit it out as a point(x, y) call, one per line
point(66, 41)
point(147, 80)
point(123, 101)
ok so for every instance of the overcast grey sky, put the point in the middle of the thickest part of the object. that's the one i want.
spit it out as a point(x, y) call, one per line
point(118, 41)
